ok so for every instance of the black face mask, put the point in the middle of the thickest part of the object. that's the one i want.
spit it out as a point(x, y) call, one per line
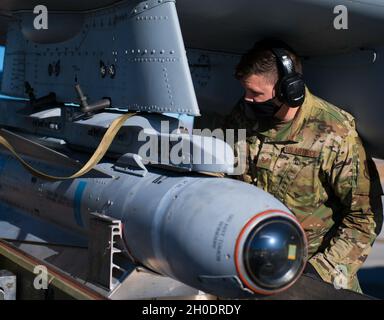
point(261, 110)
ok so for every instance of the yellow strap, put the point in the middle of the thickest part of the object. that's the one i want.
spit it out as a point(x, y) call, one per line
point(93, 161)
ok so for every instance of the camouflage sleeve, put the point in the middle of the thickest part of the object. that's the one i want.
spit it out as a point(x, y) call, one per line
point(359, 219)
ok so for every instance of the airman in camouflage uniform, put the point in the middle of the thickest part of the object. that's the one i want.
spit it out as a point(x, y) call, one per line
point(317, 166)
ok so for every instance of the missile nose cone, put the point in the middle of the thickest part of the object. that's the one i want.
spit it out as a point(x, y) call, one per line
point(271, 253)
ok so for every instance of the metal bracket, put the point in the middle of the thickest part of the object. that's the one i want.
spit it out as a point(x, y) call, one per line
point(103, 251)
point(7, 285)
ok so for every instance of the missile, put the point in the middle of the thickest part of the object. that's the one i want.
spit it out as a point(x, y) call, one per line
point(219, 235)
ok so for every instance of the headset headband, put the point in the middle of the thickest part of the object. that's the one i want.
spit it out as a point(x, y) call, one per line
point(286, 63)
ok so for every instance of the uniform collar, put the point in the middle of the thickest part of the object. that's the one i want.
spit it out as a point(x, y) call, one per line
point(298, 122)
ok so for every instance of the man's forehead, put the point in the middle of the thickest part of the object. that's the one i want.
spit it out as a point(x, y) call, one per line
point(255, 81)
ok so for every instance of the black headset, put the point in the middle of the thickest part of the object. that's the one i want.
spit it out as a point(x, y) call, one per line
point(290, 88)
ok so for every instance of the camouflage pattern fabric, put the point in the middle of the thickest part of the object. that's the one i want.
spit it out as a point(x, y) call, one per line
point(317, 166)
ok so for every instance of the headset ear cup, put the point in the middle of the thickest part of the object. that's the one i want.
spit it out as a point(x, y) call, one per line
point(292, 90)
point(279, 92)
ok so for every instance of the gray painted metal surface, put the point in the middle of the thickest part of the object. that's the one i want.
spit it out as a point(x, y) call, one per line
point(7, 285)
point(160, 135)
point(132, 53)
point(353, 82)
point(233, 26)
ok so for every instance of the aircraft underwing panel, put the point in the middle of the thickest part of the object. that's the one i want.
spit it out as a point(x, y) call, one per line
point(132, 53)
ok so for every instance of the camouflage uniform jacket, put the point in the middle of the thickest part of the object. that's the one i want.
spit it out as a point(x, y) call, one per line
point(316, 165)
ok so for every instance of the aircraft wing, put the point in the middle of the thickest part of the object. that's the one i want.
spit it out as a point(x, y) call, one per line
point(335, 66)
point(305, 24)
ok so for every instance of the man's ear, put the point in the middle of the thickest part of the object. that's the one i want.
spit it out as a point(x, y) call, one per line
point(274, 91)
